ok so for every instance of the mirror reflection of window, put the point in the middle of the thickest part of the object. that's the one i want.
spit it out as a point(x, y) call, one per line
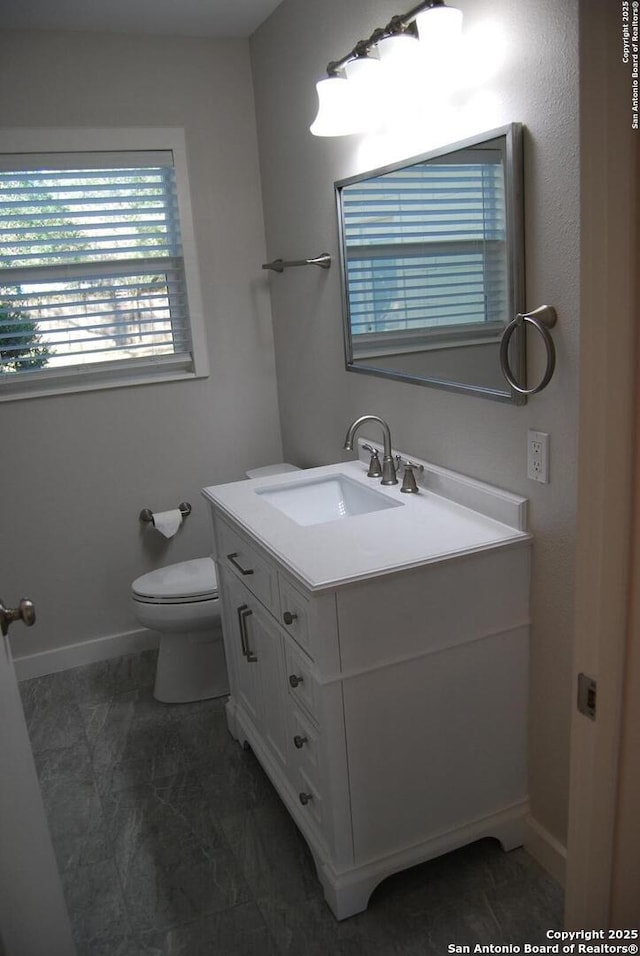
point(425, 249)
point(431, 256)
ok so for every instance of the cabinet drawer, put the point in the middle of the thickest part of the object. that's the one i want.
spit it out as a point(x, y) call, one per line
point(248, 564)
point(303, 749)
point(300, 682)
point(310, 797)
point(295, 612)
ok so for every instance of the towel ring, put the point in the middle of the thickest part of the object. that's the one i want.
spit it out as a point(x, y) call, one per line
point(542, 319)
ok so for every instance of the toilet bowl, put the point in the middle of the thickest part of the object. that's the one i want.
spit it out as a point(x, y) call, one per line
point(181, 602)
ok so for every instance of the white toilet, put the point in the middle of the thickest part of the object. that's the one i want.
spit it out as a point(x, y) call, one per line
point(181, 602)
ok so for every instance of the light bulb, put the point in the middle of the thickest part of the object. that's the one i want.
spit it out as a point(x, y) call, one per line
point(366, 78)
point(400, 51)
point(365, 71)
point(439, 29)
point(337, 113)
point(401, 59)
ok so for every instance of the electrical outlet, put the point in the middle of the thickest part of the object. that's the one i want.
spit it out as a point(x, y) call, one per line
point(538, 456)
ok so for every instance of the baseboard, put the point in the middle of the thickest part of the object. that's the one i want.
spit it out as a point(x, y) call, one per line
point(544, 848)
point(87, 652)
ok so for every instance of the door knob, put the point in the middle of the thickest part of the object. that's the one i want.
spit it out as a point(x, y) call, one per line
point(25, 612)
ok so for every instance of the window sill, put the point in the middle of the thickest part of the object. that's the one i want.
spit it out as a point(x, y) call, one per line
point(44, 384)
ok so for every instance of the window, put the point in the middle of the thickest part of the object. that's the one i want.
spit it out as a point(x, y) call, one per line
point(95, 290)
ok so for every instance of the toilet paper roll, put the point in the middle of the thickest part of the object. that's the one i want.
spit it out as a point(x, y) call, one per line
point(167, 522)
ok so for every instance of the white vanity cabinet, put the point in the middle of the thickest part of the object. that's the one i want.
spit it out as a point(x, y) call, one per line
point(278, 704)
point(389, 711)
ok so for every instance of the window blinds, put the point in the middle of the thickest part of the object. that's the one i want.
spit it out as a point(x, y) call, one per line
point(91, 268)
point(425, 247)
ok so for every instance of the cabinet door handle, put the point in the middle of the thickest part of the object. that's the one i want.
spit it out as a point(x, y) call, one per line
point(289, 617)
point(299, 742)
point(295, 679)
point(232, 557)
point(244, 611)
point(305, 798)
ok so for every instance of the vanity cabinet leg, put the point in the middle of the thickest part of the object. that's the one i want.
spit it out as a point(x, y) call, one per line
point(348, 897)
point(510, 834)
point(233, 726)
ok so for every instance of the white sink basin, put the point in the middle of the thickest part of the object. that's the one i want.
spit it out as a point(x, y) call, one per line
point(325, 499)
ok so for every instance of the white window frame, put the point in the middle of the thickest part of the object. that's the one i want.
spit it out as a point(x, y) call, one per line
point(44, 381)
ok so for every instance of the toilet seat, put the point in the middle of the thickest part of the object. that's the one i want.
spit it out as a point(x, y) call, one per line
point(184, 583)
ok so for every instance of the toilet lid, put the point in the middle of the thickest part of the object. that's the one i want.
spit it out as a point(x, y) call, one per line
point(190, 580)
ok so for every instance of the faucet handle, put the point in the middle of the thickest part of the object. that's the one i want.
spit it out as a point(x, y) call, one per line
point(409, 485)
point(375, 469)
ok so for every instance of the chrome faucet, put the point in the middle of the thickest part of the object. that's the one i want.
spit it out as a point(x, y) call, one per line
point(388, 468)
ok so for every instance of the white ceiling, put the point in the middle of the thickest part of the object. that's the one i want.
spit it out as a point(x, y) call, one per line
point(196, 18)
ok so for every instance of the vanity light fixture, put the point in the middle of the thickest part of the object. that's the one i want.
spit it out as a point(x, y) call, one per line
point(352, 98)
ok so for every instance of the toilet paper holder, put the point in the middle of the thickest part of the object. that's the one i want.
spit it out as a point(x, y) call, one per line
point(147, 514)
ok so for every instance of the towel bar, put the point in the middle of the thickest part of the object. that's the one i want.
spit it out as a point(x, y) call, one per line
point(279, 265)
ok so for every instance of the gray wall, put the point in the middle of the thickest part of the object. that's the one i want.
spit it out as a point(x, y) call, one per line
point(536, 84)
point(77, 469)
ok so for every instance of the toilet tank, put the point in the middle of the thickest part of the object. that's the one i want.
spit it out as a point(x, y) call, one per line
point(266, 470)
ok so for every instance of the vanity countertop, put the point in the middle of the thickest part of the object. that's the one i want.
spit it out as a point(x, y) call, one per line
point(426, 528)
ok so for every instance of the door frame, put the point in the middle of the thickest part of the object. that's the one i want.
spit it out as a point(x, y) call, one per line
point(603, 853)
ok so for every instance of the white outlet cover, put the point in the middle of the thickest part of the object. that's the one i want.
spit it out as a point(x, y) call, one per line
point(538, 456)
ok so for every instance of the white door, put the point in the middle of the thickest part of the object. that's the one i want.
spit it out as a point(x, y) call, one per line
point(33, 915)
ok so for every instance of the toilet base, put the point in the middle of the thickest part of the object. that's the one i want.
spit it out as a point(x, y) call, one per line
point(191, 666)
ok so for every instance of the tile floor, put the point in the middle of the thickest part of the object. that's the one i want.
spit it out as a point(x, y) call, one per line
point(171, 840)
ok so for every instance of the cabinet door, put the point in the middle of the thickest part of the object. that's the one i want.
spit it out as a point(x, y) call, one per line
point(258, 678)
point(265, 641)
point(243, 663)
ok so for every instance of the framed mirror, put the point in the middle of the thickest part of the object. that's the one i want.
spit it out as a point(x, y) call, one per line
point(432, 266)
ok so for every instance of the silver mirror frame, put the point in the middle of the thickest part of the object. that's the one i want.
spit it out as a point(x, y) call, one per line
point(514, 198)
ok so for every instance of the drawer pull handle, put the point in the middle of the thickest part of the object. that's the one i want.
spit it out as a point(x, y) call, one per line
point(232, 558)
point(289, 617)
point(299, 741)
point(294, 680)
point(305, 798)
point(244, 611)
